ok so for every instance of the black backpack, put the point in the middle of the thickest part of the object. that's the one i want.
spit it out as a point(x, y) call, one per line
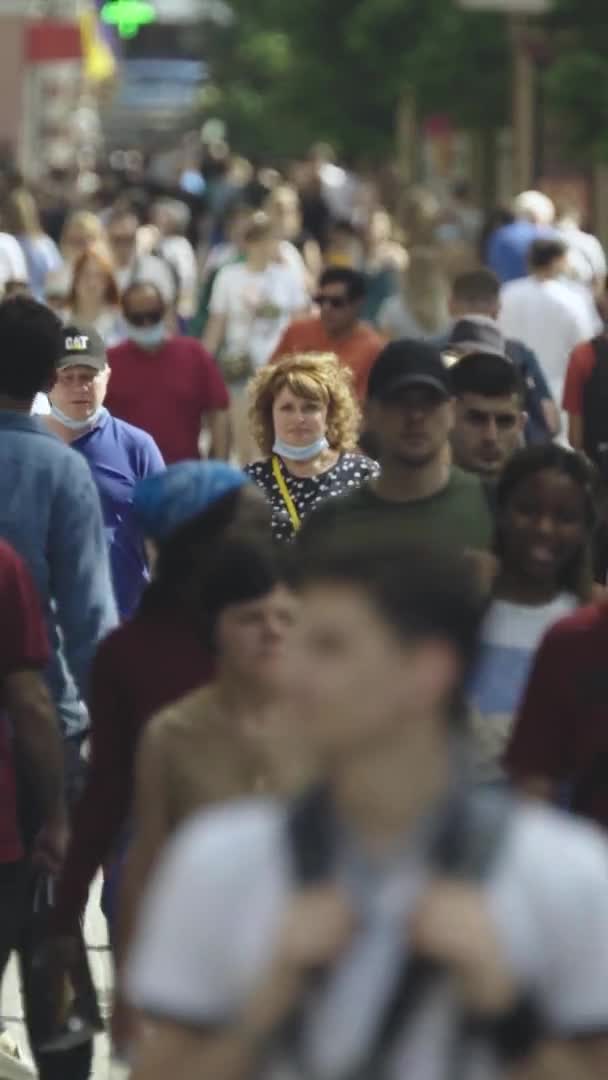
point(595, 407)
point(469, 837)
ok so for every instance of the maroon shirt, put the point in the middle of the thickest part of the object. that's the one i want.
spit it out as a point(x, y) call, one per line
point(561, 733)
point(146, 664)
point(23, 646)
point(166, 392)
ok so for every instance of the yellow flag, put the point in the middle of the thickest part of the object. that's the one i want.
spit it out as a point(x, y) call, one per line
point(99, 62)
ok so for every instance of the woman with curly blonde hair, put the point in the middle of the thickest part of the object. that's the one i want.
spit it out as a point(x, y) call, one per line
point(305, 421)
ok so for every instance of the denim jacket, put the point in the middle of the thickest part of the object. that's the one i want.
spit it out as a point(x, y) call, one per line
point(50, 513)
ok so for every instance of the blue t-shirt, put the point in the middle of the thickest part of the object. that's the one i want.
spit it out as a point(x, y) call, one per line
point(119, 455)
point(508, 247)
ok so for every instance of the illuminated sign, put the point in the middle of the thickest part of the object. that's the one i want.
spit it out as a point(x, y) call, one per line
point(128, 16)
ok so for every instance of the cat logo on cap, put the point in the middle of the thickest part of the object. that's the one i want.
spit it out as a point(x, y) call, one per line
point(79, 343)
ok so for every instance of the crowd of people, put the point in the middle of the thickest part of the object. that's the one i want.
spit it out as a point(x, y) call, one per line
point(303, 563)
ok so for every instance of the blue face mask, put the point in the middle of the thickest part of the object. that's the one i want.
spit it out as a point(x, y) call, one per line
point(147, 337)
point(300, 453)
point(77, 425)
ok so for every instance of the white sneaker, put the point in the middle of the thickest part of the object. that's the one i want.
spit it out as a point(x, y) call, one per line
point(13, 1065)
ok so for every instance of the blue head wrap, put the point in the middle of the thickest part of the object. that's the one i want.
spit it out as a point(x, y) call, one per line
point(163, 502)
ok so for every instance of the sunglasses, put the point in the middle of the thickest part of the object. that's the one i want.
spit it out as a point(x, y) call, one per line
point(144, 318)
point(337, 302)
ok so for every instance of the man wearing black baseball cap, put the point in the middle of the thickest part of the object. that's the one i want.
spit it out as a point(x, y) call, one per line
point(118, 454)
point(410, 416)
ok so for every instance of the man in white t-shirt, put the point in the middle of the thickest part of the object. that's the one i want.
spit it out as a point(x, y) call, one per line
point(547, 312)
point(511, 936)
point(252, 303)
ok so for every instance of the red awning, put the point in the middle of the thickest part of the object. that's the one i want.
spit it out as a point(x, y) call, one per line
point(49, 39)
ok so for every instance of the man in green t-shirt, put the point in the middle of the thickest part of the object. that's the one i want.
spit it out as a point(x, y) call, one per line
point(410, 416)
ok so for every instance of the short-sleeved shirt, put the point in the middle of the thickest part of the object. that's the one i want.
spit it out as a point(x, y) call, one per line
point(212, 919)
point(166, 392)
point(119, 455)
point(458, 515)
point(356, 350)
point(307, 493)
point(510, 636)
point(561, 732)
point(580, 370)
point(23, 645)
point(257, 306)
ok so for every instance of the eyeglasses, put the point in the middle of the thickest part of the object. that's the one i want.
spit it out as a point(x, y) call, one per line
point(337, 302)
point(144, 318)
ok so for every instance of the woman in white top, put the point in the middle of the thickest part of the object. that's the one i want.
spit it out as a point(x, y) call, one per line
point(94, 298)
point(544, 522)
point(251, 304)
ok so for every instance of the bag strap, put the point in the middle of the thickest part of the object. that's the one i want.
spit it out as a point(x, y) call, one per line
point(287, 499)
point(470, 834)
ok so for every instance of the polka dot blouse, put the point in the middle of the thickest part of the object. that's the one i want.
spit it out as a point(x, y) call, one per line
point(349, 472)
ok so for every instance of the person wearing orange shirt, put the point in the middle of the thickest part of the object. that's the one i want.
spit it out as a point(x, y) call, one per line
point(337, 328)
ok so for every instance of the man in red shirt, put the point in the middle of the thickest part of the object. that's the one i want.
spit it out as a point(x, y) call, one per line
point(168, 386)
point(29, 716)
point(338, 327)
point(580, 369)
point(560, 742)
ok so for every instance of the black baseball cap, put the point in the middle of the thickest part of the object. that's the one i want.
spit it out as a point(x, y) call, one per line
point(408, 363)
point(82, 345)
point(477, 333)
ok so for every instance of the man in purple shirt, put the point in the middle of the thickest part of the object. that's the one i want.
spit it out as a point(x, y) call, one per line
point(118, 454)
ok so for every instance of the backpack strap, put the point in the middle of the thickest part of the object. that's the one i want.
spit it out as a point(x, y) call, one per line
point(469, 836)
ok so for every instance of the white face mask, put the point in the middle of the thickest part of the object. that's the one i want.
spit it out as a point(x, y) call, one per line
point(147, 337)
point(76, 425)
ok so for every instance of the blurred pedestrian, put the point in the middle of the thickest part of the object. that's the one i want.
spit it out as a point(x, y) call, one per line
point(586, 257)
point(297, 249)
point(52, 517)
point(475, 301)
point(337, 328)
point(410, 417)
point(228, 739)
point(306, 423)
point(420, 308)
point(549, 314)
point(51, 513)
point(169, 386)
point(20, 217)
point(385, 261)
point(251, 304)
point(391, 922)
point(544, 522)
point(94, 297)
point(82, 231)
point(508, 247)
point(118, 454)
point(31, 768)
point(155, 658)
point(559, 748)
point(132, 266)
point(171, 217)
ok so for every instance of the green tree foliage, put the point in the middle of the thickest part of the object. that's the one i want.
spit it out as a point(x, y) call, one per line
point(285, 74)
point(576, 82)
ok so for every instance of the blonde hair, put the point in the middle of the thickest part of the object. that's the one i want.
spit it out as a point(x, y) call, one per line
point(88, 223)
point(20, 214)
point(426, 290)
point(317, 377)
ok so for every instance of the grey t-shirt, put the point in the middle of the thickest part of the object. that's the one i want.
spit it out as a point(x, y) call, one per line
point(214, 911)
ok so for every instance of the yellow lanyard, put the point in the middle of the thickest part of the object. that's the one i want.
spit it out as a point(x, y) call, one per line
point(287, 499)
